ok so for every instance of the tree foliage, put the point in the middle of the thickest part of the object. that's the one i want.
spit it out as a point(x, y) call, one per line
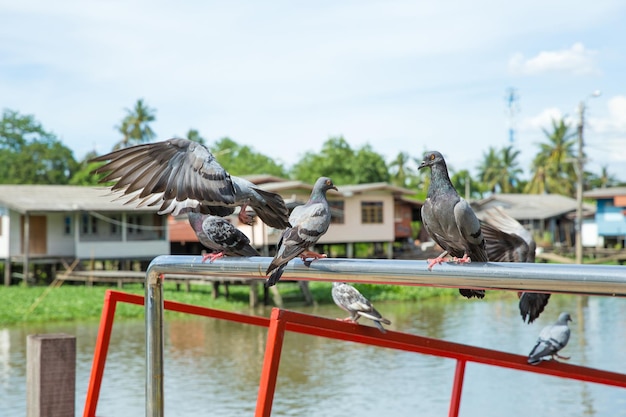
point(340, 162)
point(243, 160)
point(553, 168)
point(135, 127)
point(499, 170)
point(31, 155)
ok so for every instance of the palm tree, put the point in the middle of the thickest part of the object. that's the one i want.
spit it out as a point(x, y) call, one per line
point(402, 174)
point(500, 170)
point(510, 170)
point(553, 165)
point(135, 127)
point(489, 169)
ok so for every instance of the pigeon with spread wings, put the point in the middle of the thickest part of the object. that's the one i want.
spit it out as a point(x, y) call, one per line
point(508, 241)
point(180, 175)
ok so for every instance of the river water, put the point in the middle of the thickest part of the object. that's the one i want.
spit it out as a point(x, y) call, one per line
point(212, 368)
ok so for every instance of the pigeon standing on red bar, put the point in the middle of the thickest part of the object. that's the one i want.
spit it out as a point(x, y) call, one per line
point(351, 300)
point(450, 221)
point(551, 340)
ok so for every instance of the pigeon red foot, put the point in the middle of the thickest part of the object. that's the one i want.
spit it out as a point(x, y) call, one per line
point(211, 256)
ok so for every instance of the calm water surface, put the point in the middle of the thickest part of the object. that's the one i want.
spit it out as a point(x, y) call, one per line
point(213, 368)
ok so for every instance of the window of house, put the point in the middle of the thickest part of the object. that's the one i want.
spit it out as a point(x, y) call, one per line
point(67, 225)
point(94, 225)
point(336, 211)
point(371, 212)
point(84, 223)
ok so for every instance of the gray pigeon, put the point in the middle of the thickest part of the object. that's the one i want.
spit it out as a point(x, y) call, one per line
point(508, 241)
point(221, 236)
point(180, 175)
point(450, 221)
point(309, 222)
point(350, 299)
point(551, 340)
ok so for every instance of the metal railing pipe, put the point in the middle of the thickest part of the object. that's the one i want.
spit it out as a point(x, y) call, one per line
point(555, 278)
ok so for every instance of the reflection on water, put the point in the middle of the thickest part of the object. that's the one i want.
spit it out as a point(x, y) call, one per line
point(213, 367)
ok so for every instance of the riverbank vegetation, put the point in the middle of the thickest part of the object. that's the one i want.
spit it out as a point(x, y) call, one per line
point(36, 304)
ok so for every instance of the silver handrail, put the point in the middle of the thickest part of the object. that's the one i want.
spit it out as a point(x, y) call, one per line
point(608, 280)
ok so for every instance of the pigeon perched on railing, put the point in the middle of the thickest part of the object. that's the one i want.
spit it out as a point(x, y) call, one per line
point(450, 221)
point(308, 223)
point(220, 236)
point(350, 299)
point(508, 241)
point(180, 175)
point(551, 340)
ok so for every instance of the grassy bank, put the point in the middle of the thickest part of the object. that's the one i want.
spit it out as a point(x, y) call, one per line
point(20, 304)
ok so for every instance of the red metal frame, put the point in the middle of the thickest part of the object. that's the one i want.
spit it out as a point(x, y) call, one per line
point(284, 320)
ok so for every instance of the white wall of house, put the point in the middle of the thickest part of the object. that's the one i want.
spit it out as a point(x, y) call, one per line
point(354, 230)
point(4, 233)
point(112, 250)
point(58, 242)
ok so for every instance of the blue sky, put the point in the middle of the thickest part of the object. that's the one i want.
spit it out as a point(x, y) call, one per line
point(283, 76)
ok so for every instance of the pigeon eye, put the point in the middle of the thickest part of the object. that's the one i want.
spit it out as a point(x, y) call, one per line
point(432, 156)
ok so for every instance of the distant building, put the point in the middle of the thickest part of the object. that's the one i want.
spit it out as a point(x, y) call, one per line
point(377, 213)
point(56, 224)
point(610, 214)
point(546, 215)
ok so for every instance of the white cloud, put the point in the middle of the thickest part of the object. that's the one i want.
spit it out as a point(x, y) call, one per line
point(540, 121)
point(615, 122)
point(576, 60)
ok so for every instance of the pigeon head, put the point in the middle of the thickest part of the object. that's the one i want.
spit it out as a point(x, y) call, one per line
point(564, 318)
point(324, 184)
point(430, 159)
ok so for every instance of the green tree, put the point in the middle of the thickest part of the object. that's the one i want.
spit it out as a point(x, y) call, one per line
point(84, 176)
point(340, 162)
point(402, 174)
point(499, 170)
point(193, 134)
point(31, 155)
point(243, 160)
point(603, 180)
point(463, 179)
point(135, 127)
point(553, 169)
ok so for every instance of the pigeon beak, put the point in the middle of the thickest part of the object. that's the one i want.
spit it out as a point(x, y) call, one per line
point(422, 165)
point(334, 188)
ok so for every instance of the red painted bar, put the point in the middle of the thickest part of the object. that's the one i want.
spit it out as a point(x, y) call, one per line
point(457, 389)
point(100, 354)
point(284, 320)
point(271, 361)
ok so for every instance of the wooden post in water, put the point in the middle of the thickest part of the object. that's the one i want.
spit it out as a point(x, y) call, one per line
point(50, 375)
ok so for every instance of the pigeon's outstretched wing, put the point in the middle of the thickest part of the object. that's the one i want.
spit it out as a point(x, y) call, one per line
point(175, 175)
point(308, 223)
point(221, 236)
point(508, 241)
point(269, 206)
point(350, 299)
point(551, 340)
point(179, 175)
point(450, 221)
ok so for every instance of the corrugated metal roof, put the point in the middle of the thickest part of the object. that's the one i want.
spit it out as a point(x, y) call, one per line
point(62, 198)
point(608, 192)
point(531, 206)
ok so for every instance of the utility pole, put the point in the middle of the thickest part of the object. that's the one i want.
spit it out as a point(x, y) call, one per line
point(580, 171)
point(580, 166)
